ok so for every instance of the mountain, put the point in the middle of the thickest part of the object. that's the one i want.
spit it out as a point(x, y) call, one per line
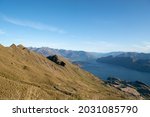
point(25, 74)
point(136, 61)
point(87, 56)
point(135, 55)
point(70, 54)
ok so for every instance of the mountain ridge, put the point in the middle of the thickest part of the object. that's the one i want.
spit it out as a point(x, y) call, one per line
point(25, 74)
point(131, 62)
point(70, 54)
point(86, 56)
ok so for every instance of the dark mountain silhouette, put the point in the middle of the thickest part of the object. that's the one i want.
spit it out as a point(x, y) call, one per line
point(136, 61)
point(135, 55)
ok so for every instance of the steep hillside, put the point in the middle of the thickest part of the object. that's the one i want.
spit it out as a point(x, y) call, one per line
point(27, 75)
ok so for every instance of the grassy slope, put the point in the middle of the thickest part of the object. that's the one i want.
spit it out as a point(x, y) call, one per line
point(28, 75)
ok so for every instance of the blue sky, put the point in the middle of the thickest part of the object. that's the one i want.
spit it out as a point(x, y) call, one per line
point(90, 25)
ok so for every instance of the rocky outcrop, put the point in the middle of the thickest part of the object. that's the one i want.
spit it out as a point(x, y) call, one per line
point(135, 88)
point(56, 60)
point(142, 88)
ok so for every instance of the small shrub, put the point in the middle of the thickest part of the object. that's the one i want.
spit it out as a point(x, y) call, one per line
point(25, 67)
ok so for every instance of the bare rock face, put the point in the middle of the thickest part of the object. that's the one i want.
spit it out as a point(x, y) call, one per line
point(56, 60)
point(142, 88)
point(131, 91)
point(136, 88)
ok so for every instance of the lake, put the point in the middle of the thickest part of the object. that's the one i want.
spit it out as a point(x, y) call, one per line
point(104, 70)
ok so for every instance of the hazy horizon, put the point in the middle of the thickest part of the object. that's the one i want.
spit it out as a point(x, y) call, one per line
point(86, 25)
point(73, 49)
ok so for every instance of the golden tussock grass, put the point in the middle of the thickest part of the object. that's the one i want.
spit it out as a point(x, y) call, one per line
point(27, 75)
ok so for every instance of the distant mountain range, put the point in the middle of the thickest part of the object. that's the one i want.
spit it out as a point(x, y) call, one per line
point(71, 54)
point(132, 60)
point(135, 55)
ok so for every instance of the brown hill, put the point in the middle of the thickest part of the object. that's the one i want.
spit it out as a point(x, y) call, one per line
point(27, 75)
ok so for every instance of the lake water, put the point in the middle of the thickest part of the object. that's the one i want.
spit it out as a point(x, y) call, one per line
point(103, 71)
